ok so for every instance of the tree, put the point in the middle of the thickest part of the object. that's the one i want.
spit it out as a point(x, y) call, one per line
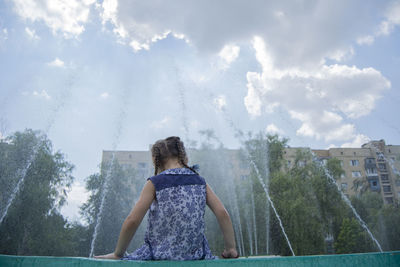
point(352, 238)
point(124, 188)
point(33, 224)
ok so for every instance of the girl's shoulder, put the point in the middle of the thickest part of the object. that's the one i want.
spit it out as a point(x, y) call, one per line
point(176, 177)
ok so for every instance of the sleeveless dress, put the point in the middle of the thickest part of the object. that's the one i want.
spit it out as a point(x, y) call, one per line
point(175, 229)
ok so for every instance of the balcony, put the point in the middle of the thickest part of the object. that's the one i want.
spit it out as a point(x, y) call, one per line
point(371, 172)
point(369, 163)
point(374, 185)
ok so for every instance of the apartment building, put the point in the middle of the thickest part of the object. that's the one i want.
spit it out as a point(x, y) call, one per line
point(375, 163)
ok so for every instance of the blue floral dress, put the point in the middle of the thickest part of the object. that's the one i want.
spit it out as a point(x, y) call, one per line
point(175, 229)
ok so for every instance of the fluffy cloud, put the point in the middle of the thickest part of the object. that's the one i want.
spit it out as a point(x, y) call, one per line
point(56, 63)
point(43, 94)
point(161, 123)
point(228, 54)
point(299, 33)
point(3, 35)
point(65, 16)
point(273, 129)
point(387, 25)
point(357, 141)
point(392, 19)
point(220, 102)
point(31, 33)
point(320, 98)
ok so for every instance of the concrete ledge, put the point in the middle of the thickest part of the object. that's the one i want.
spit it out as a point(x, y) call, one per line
point(365, 259)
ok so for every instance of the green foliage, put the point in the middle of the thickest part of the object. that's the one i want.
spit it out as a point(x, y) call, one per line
point(309, 204)
point(33, 225)
point(352, 238)
point(124, 188)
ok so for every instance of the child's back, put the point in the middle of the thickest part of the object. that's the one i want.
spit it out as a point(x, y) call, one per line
point(176, 218)
point(176, 197)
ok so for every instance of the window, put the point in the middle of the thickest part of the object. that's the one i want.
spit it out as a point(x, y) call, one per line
point(344, 186)
point(387, 189)
point(371, 171)
point(243, 165)
point(354, 162)
point(341, 163)
point(356, 174)
point(370, 161)
point(244, 177)
point(130, 156)
point(142, 165)
point(389, 200)
point(385, 177)
point(380, 156)
point(125, 166)
point(341, 152)
point(397, 182)
point(382, 166)
point(354, 153)
point(374, 185)
point(301, 163)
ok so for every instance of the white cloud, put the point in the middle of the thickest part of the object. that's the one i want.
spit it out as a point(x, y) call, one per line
point(220, 102)
point(299, 33)
point(56, 63)
point(104, 95)
point(357, 141)
point(43, 94)
point(31, 33)
point(392, 19)
point(319, 97)
point(367, 40)
point(229, 54)
point(273, 129)
point(387, 25)
point(65, 16)
point(161, 123)
point(3, 35)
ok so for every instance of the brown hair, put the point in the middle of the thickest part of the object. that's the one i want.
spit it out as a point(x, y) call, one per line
point(170, 147)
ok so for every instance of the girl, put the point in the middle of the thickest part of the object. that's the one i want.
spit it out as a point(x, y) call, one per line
point(176, 196)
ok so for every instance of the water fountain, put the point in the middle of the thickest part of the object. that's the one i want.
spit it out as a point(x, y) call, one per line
point(248, 224)
point(60, 103)
point(272, 205)
point(239, 136)
point(346, 200)
point(119, 125)
point(253, 208)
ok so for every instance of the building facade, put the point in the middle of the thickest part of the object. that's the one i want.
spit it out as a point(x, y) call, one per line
point(375, 163)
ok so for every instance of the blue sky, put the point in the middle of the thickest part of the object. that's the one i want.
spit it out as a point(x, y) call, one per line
point(96, 75)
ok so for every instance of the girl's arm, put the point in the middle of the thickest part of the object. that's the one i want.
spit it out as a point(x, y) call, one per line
point(225, 223)
point(132, 222)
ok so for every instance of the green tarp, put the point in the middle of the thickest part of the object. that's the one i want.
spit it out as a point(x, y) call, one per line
point(366, 259)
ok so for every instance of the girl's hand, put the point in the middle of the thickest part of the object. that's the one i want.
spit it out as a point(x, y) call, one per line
point(110, 256)
point(230, 253)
